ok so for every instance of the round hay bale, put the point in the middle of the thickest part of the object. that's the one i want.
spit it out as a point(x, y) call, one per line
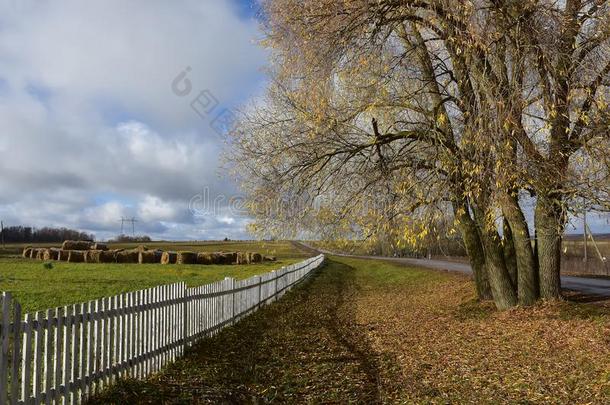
point(169, 257)
point(63, 255)
point(223, 258)
point(204, 258)
point(149, 257)
point(231, 258)
point(186, 258)
point(76, 256)
point(243, 258)
point(33, 253)
point(27, 252)
point(141, 248)
point(93, 256)
point(50, 254)
point(256, 258)
point(227, 258)
point(216, 258)
point(128, 256)
point(99, 246)
point(56, 252)
point(76, 245)
point(269, 258)
point(107, 256)
point(40, 254)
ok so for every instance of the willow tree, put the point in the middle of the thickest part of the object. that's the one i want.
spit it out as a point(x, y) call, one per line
point(396, 110)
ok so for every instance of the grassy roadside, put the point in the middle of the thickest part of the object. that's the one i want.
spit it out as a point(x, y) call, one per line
point(38, 288)
point(369, 331)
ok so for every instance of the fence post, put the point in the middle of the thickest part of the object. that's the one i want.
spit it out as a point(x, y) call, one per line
point(184, 318)
point(232, 289)
point(16, 352)
point(4, 337)
point(260, 286)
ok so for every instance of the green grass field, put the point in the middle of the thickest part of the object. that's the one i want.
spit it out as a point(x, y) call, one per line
point(38, 288)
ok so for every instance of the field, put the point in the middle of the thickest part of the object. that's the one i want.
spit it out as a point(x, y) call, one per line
point(366, 331)
point(38, 288)
point(573, 256)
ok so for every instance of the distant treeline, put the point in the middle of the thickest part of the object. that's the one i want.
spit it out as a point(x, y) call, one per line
point(131, 239)
point(26, 234)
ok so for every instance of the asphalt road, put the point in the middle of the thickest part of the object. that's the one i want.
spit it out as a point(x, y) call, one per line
point(589, 286)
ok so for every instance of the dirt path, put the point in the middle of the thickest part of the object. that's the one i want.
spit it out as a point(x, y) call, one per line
point(302, 348)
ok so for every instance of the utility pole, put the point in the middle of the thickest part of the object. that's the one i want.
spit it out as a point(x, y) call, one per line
point(133, 221)
point(2, 232)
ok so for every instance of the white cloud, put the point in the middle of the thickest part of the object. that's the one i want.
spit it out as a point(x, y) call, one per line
point(155, 209)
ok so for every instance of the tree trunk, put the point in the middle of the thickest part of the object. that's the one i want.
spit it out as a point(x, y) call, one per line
point(502, 289)
point(549, 227)
point(510, 256)
point(527, 274)
point(474, 249)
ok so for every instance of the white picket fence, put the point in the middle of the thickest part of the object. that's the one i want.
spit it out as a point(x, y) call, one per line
point(64, 355)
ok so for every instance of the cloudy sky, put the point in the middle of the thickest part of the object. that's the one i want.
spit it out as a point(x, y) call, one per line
point(99, 124)
point(112, 109)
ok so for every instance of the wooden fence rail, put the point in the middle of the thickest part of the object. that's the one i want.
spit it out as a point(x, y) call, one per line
point(64, 355)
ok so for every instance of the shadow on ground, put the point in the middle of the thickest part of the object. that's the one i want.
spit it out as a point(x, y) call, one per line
point(306, 347)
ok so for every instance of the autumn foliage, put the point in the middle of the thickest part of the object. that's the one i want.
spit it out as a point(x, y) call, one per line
point(383, 116)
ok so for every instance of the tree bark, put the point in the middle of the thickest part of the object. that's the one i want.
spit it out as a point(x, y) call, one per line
point(527, 273)
point(502, 289)
point(476, 254)
point(549, 227)
point(510, 256)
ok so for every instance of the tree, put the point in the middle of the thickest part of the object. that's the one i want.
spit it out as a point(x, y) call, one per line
point(397, 112)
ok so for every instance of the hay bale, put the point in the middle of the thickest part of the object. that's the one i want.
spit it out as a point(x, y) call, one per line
point(63, 255)
point(50, 254)
point(169, 257)
point(93, 256)
point(76, 245)
point(39, 254)
point(76, 256)
point(186, 258)
point(151, 256)
point(269, 258)
point(33, 253)
point(223, 258)
point(243, 258)
point(256, 258)
point(27, 252)
point(56, 251)
point(128, 256)
point(141, 248)
point(204, 258)
point(107, 256)
point(99, 246)
point(231, 258)
point(216, 259)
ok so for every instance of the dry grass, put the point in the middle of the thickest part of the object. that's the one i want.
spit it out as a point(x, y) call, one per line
point(373, 332)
